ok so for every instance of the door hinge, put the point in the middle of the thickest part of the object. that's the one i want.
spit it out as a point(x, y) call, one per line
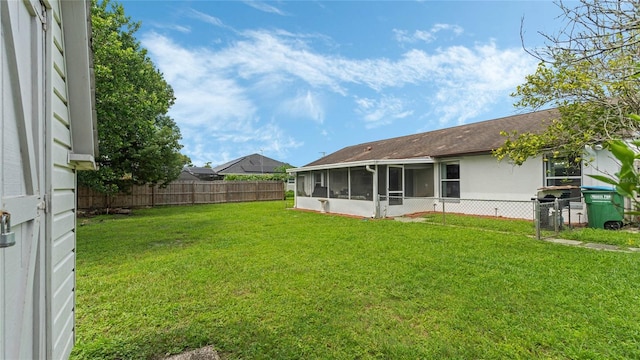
point(44, 204)
point(43, 17)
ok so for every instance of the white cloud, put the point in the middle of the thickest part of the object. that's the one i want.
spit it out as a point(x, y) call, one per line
point(262, 52)
point(457, 30)
point(304, 105)
point(262, 6)
point(275, 140)
point(221, 92)
point(207, 18)
point(179, 28)
point(226, 145)
point(475, 78)
point(212, 105)
point(403, 36)
point(382, 111)
point(427, 36)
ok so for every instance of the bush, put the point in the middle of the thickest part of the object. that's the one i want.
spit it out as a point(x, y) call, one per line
point(258, 177)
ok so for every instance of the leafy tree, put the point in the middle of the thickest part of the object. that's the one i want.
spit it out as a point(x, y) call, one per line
point(282, 168)
point(138, 142)
point(258, 177)
point(589, 71)
point(186, 161)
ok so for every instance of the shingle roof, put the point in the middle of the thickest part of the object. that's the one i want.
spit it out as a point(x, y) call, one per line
point(187, 176)
point(251, 164)
point(480, 137)
point(200, 170)
point(201, 173)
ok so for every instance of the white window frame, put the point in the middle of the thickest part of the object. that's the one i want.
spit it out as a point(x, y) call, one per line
point(444, 180)
point(576, 203)
point(548, 160)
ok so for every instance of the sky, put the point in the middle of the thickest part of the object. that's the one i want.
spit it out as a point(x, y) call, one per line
point(295, 80)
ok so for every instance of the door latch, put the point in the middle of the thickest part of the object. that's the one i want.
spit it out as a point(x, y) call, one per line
point(7, 238)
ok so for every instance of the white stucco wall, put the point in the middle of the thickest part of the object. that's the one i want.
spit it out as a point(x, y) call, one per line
point(487, 187)
point(599, 162)
point(362, 208)
point(484, 177)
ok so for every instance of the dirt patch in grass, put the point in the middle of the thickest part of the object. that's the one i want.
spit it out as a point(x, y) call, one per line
point(205, 353)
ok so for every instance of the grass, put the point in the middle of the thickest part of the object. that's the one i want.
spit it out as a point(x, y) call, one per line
point(624, 238)
point(515, 226)
point(259, 281)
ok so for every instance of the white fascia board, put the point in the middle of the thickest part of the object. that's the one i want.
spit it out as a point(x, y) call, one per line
point(425, 160)
point(76, 17)
point(83, 161)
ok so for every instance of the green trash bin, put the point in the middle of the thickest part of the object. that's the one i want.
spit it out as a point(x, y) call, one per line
point(605, 207)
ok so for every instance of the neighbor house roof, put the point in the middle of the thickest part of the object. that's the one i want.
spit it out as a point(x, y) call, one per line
point(480, 137)
point(251, 164)
point(187, 176)
point(200, 173)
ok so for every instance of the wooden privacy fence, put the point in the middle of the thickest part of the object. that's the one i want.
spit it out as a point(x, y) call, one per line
point(184, 193)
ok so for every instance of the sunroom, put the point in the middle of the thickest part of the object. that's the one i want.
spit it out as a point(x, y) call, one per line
point(364, 188)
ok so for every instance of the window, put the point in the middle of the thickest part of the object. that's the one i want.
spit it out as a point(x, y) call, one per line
point(560, 171)
point(317, 179)
point(450, 179)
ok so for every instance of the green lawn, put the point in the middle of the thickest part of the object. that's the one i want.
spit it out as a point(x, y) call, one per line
point(258, 281)
point(624, 239)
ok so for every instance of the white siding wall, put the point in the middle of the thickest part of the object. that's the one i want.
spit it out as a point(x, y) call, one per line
point(61, 248)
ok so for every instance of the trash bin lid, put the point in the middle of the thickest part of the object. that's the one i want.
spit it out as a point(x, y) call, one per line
point(548, 192)
point(599, 188)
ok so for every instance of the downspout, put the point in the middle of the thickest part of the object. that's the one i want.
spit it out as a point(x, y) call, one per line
point(376, 200)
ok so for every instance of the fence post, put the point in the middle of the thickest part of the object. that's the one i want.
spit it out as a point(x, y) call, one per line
point(556, 216)
point(255, 191)
point(569, 213)
point(444, 218)
point(536, 217)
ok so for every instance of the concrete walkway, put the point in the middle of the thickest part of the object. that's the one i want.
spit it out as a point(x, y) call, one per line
point(594, 246)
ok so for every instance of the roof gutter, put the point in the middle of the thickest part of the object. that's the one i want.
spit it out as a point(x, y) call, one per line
point(362, 163)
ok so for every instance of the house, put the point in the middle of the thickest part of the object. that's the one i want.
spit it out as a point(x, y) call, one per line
point(194, 173)
point(425, 171)
point(48, 122)
point(254, 164)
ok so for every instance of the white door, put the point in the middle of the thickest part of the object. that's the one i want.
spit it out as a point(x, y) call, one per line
point(22, 105)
